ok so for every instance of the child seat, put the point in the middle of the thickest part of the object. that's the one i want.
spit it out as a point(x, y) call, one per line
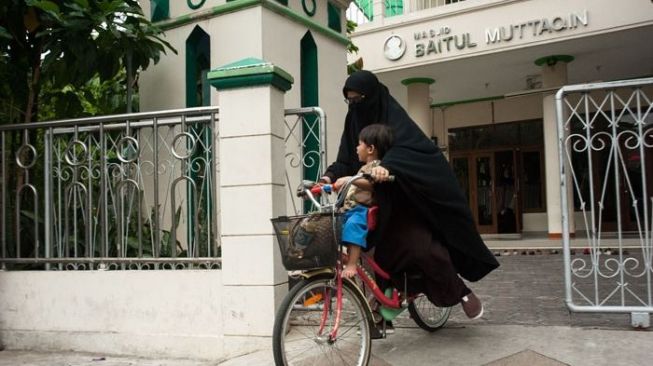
point(371, 217)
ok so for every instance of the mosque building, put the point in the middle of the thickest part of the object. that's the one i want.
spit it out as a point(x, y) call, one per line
point(478, 76)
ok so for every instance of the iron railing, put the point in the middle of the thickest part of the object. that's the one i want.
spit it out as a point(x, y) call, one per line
point(606, 159)
point(131, 191)
point(104, 193)
point(305, 155)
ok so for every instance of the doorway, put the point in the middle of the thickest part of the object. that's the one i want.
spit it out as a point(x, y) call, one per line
point(616, 181)
point(488, 181)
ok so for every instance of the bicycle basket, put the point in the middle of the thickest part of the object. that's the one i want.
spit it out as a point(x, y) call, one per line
point(308, 241)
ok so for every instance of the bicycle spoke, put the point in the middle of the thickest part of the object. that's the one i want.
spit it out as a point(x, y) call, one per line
point(298, 340)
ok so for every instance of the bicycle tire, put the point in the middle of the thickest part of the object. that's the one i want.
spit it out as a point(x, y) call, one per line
point(427, 315)
point(296, 339)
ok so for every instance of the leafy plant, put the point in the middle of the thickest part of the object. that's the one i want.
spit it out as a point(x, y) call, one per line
point(67, 43)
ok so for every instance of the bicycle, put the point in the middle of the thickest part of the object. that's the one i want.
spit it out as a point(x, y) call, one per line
point(325, 318)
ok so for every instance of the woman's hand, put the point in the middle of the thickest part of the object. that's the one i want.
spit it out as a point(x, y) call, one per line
point(380, 174)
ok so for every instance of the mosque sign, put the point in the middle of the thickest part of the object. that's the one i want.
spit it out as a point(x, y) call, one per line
point(443, 40)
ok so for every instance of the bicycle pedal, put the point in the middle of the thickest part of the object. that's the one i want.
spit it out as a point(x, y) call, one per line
point(375, 333)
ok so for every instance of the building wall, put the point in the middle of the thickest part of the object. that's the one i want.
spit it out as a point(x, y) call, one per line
point(145, 313)
point(482, 15)
point(515, 109)
point(261, 33)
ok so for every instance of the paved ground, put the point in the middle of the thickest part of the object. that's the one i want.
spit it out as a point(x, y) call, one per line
point(526, 323)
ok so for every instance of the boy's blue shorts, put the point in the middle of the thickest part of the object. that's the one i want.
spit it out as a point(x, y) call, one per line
point(354, 227)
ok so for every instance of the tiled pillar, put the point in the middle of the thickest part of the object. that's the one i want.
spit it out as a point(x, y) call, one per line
point(554, 74)
point(251, 165)
point(419, 103)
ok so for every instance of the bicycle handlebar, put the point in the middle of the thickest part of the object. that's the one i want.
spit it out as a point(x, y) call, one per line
point(311, 190)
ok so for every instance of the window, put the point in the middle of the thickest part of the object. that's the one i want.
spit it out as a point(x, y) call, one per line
point(394, 7)
point(159, 10)
point(198, 62)
point(521, 134)
point(334, 17)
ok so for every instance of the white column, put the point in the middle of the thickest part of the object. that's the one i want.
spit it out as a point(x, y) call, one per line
point(251, 150)
point(419, 103)
point(554, 74)
point(378, 11)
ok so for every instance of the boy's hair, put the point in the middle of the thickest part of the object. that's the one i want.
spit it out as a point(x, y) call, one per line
point(378, 135)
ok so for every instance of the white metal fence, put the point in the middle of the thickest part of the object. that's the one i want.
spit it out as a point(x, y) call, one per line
point(606, 158)
point(132, 191)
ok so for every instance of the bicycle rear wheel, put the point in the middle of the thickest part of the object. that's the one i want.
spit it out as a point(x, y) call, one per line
point(427, 315)
point(304, 322)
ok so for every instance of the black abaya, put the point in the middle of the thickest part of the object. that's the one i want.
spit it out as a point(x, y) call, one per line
point(425, 180)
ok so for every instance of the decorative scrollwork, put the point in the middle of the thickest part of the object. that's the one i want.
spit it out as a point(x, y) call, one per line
point(190, 146)
point(199, 164)
point(580, 268)
point(311, 159)
point(293, 160)
point(72, 155)
point(22, 154)
point(127, 149)
point(631, 140)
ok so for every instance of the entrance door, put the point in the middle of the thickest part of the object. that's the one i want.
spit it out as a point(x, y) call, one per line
point(628, 209)
point(483, 205)
point(488, 181)
point(506, 192)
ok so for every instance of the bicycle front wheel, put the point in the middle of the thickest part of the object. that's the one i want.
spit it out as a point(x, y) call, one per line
point(306, 318)
point(427, 315)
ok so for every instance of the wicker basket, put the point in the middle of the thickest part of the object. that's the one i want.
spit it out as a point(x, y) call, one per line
point(308, 241)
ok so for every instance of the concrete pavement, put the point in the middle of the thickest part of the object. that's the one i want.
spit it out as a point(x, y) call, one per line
point(526, 323)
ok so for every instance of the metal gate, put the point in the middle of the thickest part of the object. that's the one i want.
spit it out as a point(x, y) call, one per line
point(605, 142)
point(119, 192)
point(305, 152)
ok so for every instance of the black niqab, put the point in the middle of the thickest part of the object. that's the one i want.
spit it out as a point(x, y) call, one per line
point(422, 175)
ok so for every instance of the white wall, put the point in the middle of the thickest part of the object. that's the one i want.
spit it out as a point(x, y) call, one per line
point(521, 108)
point(145, 313)
point(475, 17)
point(332, 68)
point(535, 222)
point(268, 36)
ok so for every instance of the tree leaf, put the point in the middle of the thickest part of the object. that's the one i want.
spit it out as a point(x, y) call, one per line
point(47, 6)
point(82, 3)
point(4, 33)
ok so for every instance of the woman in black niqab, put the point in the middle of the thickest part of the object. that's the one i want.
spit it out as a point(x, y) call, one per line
point(424, 222)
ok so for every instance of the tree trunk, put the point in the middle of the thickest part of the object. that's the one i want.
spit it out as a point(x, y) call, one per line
point(32, 99)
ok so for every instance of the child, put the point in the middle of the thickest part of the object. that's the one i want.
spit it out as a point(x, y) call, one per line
point(373, 141)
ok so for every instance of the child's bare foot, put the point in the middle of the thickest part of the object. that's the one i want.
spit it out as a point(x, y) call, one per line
point(349, 271)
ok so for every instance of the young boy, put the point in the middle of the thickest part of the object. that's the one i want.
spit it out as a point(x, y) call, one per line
point(373, 142)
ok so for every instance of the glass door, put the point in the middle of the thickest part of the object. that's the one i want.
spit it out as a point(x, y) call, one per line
point(506, 192)
point(490, 182)
point(484, 208)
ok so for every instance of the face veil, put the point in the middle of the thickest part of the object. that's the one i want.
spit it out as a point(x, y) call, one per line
point(373, 107)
